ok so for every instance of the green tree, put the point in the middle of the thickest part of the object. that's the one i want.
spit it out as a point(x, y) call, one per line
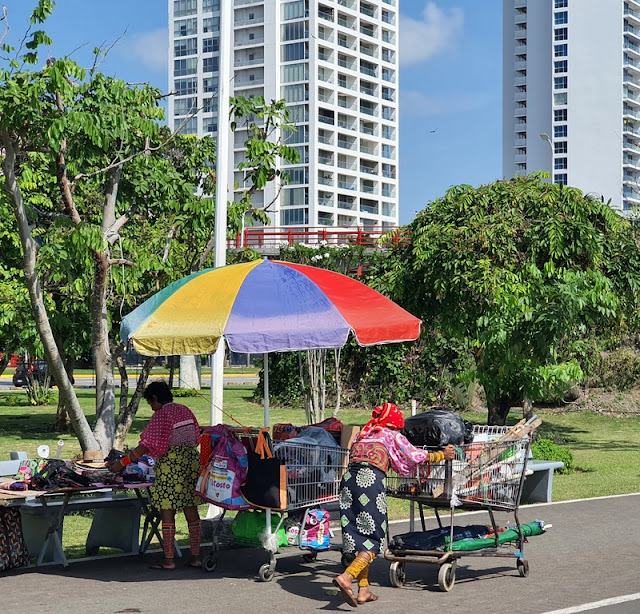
point(109, 206)
point(513, 270)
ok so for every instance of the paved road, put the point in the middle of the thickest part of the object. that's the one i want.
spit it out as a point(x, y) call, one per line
point(89, 381)
point(591, 554)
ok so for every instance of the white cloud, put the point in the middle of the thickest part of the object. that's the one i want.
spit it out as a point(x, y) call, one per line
point(147, 48)
point(417, 104)
point(421, 39)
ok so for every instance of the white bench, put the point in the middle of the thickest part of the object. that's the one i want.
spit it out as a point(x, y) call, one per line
point(538, 481)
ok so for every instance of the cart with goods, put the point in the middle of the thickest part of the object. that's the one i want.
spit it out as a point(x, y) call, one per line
point(486, 474)
point(284, 494)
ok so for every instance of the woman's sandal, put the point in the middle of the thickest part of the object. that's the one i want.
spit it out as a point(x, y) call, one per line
point(370, 597)
point(160, 566)
point(347, 593)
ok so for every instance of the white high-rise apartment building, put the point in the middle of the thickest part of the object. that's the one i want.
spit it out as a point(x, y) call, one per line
point(571, 73)
point(335, 62)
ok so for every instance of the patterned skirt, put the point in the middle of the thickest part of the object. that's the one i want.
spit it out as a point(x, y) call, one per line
point(363, 509)
point(176, 476)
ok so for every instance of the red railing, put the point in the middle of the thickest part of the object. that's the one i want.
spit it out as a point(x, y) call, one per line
point(375, 236)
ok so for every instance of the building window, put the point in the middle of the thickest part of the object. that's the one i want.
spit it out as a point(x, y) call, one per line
point(561, 18)
point(561, 34)
point(211, 24)
point(298, 175)
point(560, 83)
point(560, 115)
point(211, 5)
point(293, 52)
point(210, 85)
point(561, 66)
point(561, 51)
point(294, 31)
point(181, 68)
point(210, 105)
point(560, 164)
point(184, 87)
point(295, 93)
point(210, 45)
point(290, 217)
point(185, 46)
point(560, 147)
point(294, 72)
point(560, 178)
point(185, 27)
point(210, 124)
point(293, 10)
point(562, 4)
point(184, 106)
point(560, 99)
point(182, 8)
point(559, 132)
point(387, 113)
point(210, 64)
point(387, 132)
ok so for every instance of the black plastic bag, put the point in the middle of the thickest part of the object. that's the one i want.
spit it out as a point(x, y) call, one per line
point(437, 428)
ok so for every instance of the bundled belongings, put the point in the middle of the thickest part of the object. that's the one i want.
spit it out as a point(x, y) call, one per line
point(435, 539)
point(437, 428)
point(333, 426)
point(51, 474)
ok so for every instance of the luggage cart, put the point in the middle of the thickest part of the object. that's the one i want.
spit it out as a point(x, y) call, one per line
point(313, 480)
point(487, 474)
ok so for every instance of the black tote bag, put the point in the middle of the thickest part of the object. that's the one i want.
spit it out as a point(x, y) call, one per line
point(266, 484)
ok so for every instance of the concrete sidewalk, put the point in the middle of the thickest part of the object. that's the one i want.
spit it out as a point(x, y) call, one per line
point(591, 553)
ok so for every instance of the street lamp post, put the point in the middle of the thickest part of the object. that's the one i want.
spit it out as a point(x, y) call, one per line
point(545, 137)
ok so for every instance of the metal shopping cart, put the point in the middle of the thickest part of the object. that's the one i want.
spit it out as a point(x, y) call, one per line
point(487, 474)
point(313, 480)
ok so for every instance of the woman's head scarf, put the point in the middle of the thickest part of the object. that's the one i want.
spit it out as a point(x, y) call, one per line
point(386, 415)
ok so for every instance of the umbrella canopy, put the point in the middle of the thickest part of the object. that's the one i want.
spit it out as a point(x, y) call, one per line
point(265, 306)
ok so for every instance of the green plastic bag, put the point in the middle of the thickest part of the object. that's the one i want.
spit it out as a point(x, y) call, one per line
point(248, 525)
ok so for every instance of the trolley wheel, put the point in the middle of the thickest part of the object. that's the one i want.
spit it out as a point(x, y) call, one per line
point(347, 559)
point(446, 577)
point(397, 574)
point(309, 557)
point(266, 572)
point(523, 568)
point(210, 563)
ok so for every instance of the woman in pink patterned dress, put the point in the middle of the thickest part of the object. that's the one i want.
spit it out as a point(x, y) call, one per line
point(171, 437)
point(363, 500)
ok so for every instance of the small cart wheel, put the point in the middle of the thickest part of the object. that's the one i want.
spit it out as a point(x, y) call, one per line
point(266, 573)
point(347, 559)
point(523, 568)
point(309, 557)
point(397, 574)
point(210, 563)
point(446, 577)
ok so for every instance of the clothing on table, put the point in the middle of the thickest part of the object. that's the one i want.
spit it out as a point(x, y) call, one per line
point(363, 498)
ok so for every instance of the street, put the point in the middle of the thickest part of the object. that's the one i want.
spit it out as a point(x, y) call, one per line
point(590, 555)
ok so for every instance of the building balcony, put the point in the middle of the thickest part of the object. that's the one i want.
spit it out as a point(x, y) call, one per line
point(348, 4)
point(243, 23)
point(246, 2)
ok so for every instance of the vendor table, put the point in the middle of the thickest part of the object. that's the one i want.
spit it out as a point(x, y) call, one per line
point(116, 522)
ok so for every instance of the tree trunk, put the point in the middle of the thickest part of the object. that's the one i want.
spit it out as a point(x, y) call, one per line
point(527, 409)
point(189, 372)
point(498, 410)
point(30, 248)
point(336, 356)
point(314, 384)
point(4, 361)
point(129, 410)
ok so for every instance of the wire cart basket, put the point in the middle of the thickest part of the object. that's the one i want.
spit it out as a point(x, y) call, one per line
point(487, 474)
point(313, 480)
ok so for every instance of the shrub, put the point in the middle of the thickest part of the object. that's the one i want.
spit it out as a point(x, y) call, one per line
point(545, 449)
point(184, 392)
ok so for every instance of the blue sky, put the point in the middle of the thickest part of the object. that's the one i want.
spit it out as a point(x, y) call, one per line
point(450, 78)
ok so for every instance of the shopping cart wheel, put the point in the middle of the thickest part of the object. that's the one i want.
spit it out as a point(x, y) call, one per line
point(266, 572)
point(347, 559)
point(309, 557)
point(397, 574)
point(446, 577)
point(523, 568)
point(209, 563)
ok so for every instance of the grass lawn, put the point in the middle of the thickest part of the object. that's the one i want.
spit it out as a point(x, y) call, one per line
point(605, 448)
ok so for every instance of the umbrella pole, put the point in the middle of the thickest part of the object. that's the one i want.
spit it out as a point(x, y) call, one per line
point(266, 390)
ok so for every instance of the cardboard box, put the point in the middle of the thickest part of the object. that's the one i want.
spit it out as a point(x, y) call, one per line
point(348, 435)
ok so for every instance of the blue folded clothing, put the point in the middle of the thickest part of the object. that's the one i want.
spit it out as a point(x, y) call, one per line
point(435, 538)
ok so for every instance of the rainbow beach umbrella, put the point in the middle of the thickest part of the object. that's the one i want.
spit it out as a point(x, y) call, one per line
point(265, 306)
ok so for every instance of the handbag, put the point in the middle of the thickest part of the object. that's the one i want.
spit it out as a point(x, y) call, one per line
point(220, 479)
point(266, 485)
